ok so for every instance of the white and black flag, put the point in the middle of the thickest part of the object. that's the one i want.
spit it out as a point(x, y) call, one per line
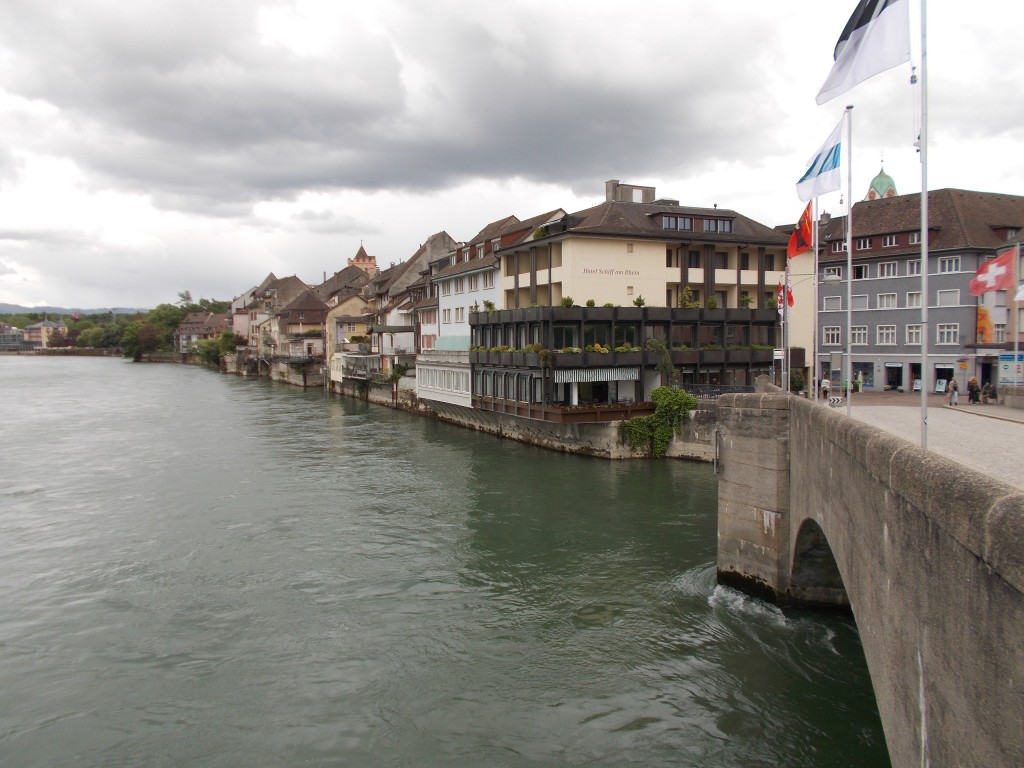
point(876, 38)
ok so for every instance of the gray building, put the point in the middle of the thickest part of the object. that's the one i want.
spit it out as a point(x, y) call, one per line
point(966, 335)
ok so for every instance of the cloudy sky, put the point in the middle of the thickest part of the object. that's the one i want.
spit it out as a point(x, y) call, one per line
point(157, 146)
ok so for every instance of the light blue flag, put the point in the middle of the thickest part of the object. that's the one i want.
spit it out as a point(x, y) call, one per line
point(823, 169)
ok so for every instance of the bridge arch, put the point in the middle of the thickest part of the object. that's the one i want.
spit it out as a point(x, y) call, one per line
point(814, 575)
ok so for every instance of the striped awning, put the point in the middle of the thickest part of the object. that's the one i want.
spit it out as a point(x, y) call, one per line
point(579, 375)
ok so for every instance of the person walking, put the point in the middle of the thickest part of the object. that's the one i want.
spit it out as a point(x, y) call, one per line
point(954, 391)
point(826, 388)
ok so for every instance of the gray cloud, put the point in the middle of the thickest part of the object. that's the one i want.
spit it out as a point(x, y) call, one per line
point(184, 102)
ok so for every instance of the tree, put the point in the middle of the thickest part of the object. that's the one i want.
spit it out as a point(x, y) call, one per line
point(397, 372)
point(184, 299)
point(59, 338)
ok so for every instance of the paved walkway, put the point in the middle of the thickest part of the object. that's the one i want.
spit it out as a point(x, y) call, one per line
point(988, 438)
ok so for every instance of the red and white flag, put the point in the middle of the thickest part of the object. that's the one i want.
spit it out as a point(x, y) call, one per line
point(779, 300)
point(995, 274)
point(789, 289)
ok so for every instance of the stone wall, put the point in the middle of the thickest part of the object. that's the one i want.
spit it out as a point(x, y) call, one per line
point(1012, 396)
point(930, 557)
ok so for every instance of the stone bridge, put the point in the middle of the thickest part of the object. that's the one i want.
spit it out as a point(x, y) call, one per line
point(819, 509)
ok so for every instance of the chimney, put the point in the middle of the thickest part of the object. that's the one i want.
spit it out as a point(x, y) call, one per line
point(610, 188)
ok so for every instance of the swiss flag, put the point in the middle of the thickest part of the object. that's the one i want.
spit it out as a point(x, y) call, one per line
point(995, 274)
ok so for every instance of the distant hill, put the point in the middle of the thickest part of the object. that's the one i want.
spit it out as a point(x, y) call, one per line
point(16, 309)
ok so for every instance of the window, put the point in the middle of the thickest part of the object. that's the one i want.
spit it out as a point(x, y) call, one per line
point(949, 264)
point(474, 282)
point(913, 299)
point(629, 247)
point(721, 260)
point(886, 334)
point(693, 259)
point(1000, 333)
point(446, 288)
point(495, 244)
point(914, 334)
point(769, 262)
point(915, 239)
point(887, 269)
point(832, 303)
point(914, 267)
point(859, 334)
point(839, 246)
point(949, 298)
point(999, 298)
point(458, 314)
point(1011, 234)
point(744, 260)
point(948, 333)
point(446, 316)
point(887, 301)
point(859, 301)
point(489, 279)
point(831, 334)
point(460, 284)
point(676, 222)
point(863, 244)
point(860, 271)
point(888, 241)
point(837, 271)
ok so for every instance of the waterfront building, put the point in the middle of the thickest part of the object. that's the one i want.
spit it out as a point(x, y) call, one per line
point(38, 335)
point(966, 335)
point(297, 329)
point(348, 326)
point(466, 281)
point(197, 326)
point(270, 297)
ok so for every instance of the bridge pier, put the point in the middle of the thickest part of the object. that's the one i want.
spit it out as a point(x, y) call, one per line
point(817, 508)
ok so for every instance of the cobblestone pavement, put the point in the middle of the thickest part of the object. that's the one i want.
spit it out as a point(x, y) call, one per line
point(988, 438)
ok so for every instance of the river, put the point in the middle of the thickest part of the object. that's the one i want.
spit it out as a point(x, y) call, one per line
point(208, 570)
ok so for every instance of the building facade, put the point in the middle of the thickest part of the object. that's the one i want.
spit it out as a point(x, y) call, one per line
point(966, 335)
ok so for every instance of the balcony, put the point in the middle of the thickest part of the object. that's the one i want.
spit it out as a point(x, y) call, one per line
point(593, 413)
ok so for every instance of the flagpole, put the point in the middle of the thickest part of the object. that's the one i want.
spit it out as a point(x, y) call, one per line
point(787, 386)
point(814, 266)
point(848, 117)
point(1016, 313)
point(924, 229)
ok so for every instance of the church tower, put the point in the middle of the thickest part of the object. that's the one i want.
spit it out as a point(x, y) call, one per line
point(881, 186)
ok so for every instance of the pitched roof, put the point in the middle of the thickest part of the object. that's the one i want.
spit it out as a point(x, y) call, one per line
point(348, 280)
point(957, 219)
point(640, 220)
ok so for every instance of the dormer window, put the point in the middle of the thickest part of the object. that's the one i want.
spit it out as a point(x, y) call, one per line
point(480, 251)
point(723, 226)
point(677, 222)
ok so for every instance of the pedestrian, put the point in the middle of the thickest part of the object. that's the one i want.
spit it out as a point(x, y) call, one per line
point(826, 389)
point(986, 393)
point(954, 392)
point(973, 391)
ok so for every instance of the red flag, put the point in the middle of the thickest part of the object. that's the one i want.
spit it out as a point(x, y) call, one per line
point(800, 240)
point(789, 289)
point(995, 274)
point(778, 301)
